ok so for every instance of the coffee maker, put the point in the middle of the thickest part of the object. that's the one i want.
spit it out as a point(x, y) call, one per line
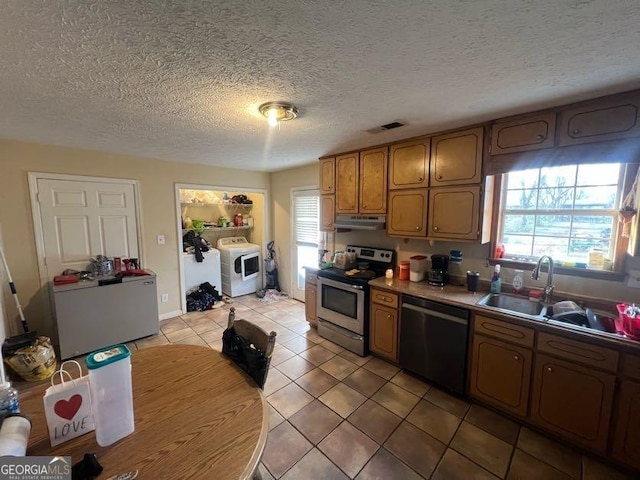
point(439, 273)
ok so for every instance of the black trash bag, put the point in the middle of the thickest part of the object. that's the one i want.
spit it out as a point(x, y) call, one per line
point(248, 358)
point(207, 287)
point(199, 301)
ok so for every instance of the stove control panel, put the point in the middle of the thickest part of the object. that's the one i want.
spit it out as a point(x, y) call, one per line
point(371, 254)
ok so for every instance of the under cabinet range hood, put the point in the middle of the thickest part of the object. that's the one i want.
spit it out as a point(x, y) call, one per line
point(361, 222)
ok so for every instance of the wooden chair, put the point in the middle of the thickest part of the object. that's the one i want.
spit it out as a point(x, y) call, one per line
point(255, 336)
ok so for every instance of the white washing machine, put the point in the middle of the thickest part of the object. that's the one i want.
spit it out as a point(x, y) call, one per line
point(196, 273)
point(240, 264)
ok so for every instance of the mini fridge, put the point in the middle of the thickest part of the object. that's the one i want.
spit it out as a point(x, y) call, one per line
point(90, 316)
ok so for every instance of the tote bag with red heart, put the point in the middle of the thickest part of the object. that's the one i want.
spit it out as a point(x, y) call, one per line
point(67, 406)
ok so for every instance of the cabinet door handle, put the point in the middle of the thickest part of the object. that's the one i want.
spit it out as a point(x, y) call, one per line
point(435, 229)
point(439, 177)
point(539, 137)
point(549, 369)
point(516, 358)
point(417, 228)
point(364, 206)
point(420, 179)
point(576, 131)
point(388, 315)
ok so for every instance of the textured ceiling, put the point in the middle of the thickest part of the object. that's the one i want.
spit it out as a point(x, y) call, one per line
point(181, 80)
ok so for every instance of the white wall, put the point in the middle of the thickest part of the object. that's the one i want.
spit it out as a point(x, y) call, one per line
point(157, 180)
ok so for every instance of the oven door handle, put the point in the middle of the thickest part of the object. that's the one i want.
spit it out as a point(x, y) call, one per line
point(336, 284)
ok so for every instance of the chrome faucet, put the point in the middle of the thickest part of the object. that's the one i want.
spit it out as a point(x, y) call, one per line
point(535, 274)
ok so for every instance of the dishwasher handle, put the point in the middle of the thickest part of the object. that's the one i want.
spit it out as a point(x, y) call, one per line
point(432, 313)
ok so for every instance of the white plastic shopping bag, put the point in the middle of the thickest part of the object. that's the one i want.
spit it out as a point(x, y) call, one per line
point(67, 406)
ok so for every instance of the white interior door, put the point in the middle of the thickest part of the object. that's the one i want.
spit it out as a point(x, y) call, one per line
point(81, 219)
point(305, 206)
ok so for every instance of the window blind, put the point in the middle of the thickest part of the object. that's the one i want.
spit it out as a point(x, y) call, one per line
point(306, 218)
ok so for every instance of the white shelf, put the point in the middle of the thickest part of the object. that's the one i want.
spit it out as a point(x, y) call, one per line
point(226, 205)
point(218, 229)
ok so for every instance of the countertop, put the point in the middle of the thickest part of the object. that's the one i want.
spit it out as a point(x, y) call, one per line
point(96, 281)
point(459, 296)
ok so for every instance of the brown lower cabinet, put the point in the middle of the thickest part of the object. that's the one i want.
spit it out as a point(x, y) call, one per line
point(626, 440)
point(384, 331)
point(500, 374)
point(310, 298)
point(572, 401)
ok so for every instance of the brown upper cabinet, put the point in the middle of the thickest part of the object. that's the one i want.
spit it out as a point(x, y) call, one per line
point(532, 132)
point(408, 213)
point(409, 164)
point(606, 118)
point(373, 181)
point(327, 176)
point(361, 182)
point(456, 158)
point(347, 175)
point(454, 213)
point(327, 212)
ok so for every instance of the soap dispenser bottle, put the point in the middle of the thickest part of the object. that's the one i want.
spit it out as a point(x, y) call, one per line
point(496, 282)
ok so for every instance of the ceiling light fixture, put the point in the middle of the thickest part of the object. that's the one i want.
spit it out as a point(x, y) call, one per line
point(277, 112)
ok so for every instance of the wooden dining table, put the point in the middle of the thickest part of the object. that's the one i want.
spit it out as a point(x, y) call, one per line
point(197, 415)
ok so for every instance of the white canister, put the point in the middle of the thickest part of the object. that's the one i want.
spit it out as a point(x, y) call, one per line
point(418, 266)
point(111, 393)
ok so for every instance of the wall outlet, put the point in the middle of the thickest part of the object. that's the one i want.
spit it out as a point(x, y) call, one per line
point(634, 279)
point(164, 298)
point(160, 239)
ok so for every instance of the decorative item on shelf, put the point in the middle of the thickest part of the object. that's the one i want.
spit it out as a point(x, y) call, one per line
point(625, 215)
point(198, 225)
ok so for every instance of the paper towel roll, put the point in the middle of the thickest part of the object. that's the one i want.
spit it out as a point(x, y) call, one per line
point(14, 436)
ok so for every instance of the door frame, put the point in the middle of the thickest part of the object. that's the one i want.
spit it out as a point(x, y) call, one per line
point(266, 219)
point(292, 228)
point(33, 178)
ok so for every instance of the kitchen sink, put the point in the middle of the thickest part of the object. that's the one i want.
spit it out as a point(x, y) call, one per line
point(513, 304)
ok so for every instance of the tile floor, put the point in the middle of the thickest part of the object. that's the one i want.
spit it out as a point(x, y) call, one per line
point(335, 415)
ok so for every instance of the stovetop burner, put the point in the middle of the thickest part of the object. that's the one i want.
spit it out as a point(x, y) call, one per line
point(379, 261)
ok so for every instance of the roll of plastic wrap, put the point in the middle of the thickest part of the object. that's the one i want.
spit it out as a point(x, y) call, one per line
point(14, 435)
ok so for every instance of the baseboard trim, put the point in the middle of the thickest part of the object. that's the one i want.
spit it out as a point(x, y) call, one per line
point(168, 315)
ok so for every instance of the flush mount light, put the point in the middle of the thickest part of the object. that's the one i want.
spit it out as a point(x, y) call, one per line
point(277, 112)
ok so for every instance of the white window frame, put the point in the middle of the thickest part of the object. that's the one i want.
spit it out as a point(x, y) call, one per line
point(612, 212)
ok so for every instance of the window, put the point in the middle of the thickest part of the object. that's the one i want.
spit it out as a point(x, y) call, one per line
point(306, 218)
point(564, 211)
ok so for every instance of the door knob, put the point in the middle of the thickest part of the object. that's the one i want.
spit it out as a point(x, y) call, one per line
point(576, 131)
point(417, 228)
point(435, 229)
point(516, 358)
point(420, 179)
point(439, 177)
point(539, 137)
point(549, 369)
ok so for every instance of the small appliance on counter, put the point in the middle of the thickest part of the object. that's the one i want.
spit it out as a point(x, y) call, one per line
point(439, 273)
point(418, 266)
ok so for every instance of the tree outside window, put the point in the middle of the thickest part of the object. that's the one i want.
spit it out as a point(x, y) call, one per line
point(564, 211)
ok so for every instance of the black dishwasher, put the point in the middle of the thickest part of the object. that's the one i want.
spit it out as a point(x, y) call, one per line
point(433, 342)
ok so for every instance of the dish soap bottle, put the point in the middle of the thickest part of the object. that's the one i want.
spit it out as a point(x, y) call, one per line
point(496, 282)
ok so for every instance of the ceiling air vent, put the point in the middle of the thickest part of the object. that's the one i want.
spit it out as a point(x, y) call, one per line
point(384, 128)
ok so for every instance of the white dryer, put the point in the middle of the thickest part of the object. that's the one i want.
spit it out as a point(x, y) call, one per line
point(240, 266)
point(196, 273)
